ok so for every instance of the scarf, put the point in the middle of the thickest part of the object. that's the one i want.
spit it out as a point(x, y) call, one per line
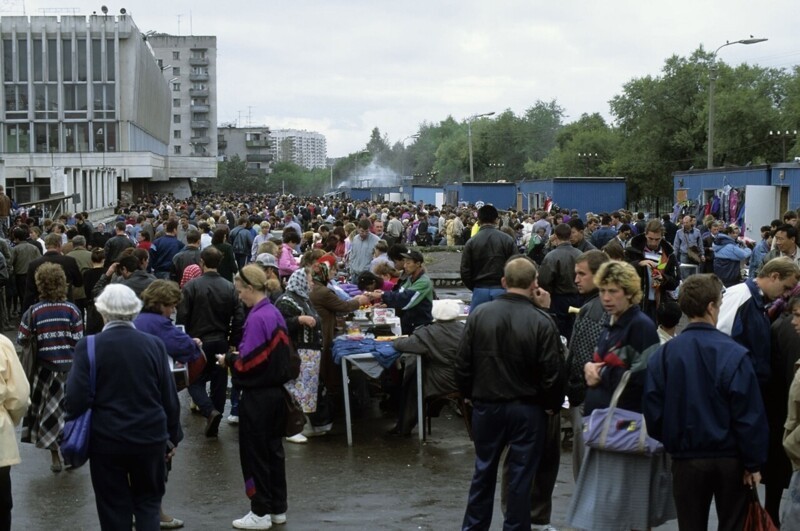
point(192, 271)
point(298, 284)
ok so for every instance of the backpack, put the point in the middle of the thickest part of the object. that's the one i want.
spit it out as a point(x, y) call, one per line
point(239, 244)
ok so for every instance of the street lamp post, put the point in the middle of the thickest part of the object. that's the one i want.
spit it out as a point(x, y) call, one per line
point(712, 81)
point(783, 135)
point(469, 137)
point(587, 157)
point(497, 168)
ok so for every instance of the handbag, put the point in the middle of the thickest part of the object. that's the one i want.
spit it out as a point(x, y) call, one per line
point(757, 518)
point(27, 355)
point(295, 418)
point(75, 437)
point(618, 430)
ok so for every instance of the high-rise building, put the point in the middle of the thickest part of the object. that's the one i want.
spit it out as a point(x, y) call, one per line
point(304, 148)
point(85, 113)
point(251, 144)
point(189, 64)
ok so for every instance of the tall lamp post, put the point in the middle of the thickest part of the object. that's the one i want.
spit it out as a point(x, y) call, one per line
point(469, 137)
point(783, 135)
point(712, 81)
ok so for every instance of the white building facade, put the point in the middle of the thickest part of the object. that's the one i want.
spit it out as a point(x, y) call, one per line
point(189, 64)
point(304, 148)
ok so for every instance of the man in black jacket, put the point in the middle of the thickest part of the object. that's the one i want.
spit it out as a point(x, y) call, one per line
point(656, 264)
point(509, 364)
point(114, 246)
point(484, 256)
point(557, 276)
point(210, 310)
point(52, 244)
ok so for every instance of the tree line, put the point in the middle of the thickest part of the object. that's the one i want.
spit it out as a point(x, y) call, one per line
point(659, 125)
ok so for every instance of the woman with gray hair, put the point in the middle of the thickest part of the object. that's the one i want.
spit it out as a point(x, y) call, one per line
point(127, 445)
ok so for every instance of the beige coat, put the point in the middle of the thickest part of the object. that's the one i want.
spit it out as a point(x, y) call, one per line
point(14, 396)
point(791, 437)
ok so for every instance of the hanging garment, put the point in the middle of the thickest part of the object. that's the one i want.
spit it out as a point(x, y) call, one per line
point(734, 201)
point(715, 206)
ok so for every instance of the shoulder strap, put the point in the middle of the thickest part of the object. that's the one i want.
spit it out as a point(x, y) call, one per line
point(92, 367)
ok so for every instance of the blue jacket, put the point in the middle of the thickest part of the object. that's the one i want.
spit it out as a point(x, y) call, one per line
point(702, 400)
point(757, 258)
point(602, 236)
point(743, 316)
point(180, 345)
point(162, 251)
point(728, 258)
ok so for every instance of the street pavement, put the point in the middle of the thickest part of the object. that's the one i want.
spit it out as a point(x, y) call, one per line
point(381, 483)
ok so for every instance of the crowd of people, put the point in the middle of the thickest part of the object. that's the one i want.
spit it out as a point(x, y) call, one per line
point(598, 308)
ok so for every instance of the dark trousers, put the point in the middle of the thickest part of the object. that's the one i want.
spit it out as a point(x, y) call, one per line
point(129, 485)
point(559, 308)
point(696, 481)
point(521, 427)
point(262, 416)
point(6, 502)
point(241, 260)
point(544, 481)
point(19, 295)
point(216, 375)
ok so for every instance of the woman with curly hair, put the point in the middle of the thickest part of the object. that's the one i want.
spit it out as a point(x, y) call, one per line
point(56, 326)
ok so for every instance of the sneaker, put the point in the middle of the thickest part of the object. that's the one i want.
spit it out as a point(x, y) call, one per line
point(253, 521)
point(297, 439)
point(278, 518)
point(545, 527)
point(173, 523)
point(212, 424)
point(233, 419)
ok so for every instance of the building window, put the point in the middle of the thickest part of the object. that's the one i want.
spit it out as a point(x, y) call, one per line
point(176, 87)
point(176, 118)
point(176, 71)
point(176, 133)
point(176, 102)
point(176, 55)
point(177, 150)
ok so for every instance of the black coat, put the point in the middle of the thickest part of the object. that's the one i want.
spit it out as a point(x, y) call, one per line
point(635, 253)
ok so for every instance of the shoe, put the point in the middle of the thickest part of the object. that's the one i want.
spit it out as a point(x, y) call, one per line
point(317, 431)
point(546, 527)
point(297, 439)
point(193, 408)
point(56, 468)
point(233, 419)
point(278, 518)
point(253, 521)
point(172, 524)
point(212, 424)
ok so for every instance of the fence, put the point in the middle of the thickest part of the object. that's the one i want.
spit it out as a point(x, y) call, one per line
point(652, 205)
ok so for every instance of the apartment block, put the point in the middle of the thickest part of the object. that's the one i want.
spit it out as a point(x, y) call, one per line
point(304, 148)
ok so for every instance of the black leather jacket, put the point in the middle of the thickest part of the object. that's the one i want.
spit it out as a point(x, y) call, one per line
point(484, 257)
point(210, 309)
point(511, 350)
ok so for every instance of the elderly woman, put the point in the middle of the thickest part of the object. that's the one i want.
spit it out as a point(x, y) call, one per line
point(625, 344)
point(437, 343)
point(305, 331)
point(54, 350)
point(127, 445)
point(328, 304)
point(260, 369)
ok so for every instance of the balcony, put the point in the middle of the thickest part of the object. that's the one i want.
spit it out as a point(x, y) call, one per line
point(199, 154)
point(198, 93)
point(200, 140)
point(198, 77)
point(258, 158)
point(257, 171)
point(200, 108)
point(259, 143)
point(198, 61)
point(222, 143)
point(200, 124)
point(199, 48)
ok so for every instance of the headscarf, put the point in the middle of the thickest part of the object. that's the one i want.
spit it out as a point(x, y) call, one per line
point(321, 273)
point(191, 271)
point(298, 283)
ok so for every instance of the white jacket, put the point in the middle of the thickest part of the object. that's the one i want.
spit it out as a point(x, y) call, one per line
point(14, 397)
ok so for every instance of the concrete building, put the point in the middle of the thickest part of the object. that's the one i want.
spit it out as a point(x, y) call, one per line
point(251, 144)
point(304, 148)
point(189, 65)
point(85, 109)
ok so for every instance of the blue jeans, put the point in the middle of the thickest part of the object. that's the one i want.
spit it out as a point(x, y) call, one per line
point(522, 427)
point(481, 295)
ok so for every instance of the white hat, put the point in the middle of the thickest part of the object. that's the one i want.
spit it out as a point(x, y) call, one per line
point(445, 310)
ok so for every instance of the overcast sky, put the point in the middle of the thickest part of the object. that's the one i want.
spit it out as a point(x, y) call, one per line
point(342, 67)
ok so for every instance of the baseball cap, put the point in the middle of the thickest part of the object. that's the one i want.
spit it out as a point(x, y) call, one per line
point(267, 260)
point(414, 255)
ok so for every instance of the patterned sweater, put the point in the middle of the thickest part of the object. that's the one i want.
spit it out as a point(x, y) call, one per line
point(57, 327)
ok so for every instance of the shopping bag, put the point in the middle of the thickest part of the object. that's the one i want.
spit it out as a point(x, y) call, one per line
point(757, 518)
point(75, 437)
